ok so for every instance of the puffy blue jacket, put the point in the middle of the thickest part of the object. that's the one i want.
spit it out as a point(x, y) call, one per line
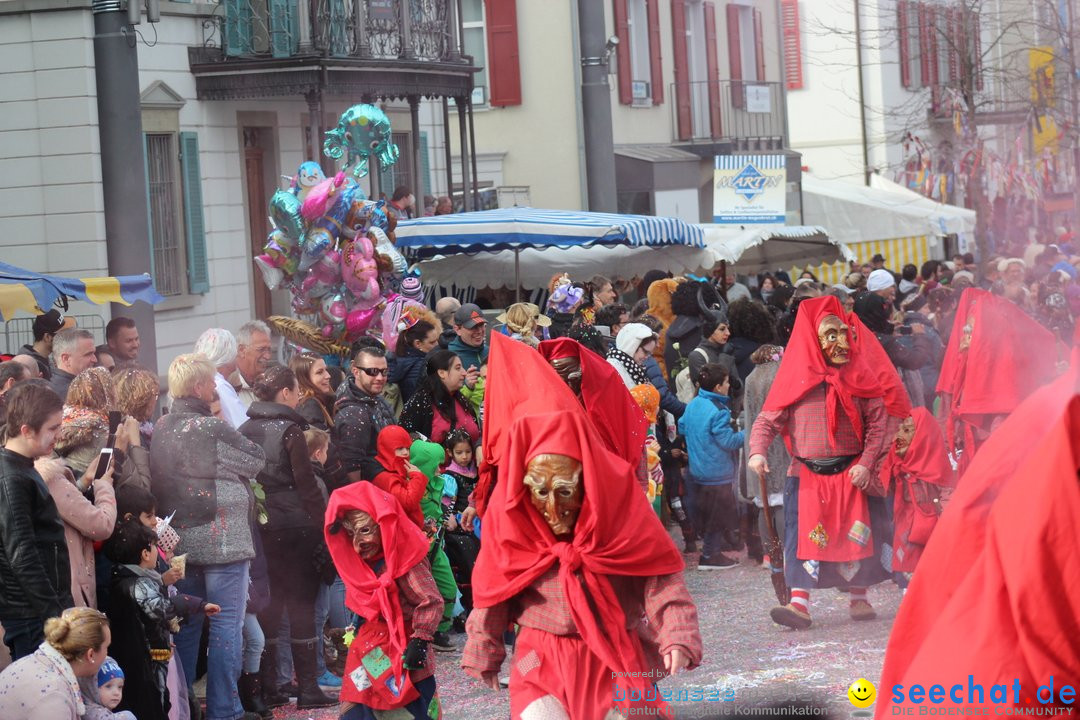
point(668, 401)
point(710, 441)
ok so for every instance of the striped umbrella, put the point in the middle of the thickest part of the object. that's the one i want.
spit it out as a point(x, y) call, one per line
point(36, 292)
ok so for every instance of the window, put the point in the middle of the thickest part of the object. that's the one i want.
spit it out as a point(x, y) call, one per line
point(909, 43)
point(472, 21)
point(936, 42)
point(163, 183)
point(640, 65)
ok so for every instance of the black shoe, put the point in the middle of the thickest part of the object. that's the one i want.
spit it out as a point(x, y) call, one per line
point(691, 547)
point(718, 562)
point(251, 696)
point(441, 642)
point(268, 669)
point(459, 624)
point(304, 660)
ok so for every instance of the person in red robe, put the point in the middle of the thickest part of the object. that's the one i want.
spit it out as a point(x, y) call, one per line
point(831, 401)
point(997, 355)
point(574, 555)
point(996, 599)
point(380, 554)
point(917, 471)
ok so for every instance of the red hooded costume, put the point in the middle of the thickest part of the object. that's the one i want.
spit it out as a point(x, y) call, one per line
point(1009, 357)
point(619, 422)
point(919, 476)
point(833, 515)
point(997, 594)
point(407, 487)
point(374, 668)
point(524, 567)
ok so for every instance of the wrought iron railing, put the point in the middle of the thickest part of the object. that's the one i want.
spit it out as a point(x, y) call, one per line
point(413, 30)
point(728, 109)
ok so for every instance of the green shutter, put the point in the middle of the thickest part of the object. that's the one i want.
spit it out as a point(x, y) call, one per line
point(198, 268)
point(339, 44)
point(425, 169)
point(238, 21)
point(149, 218)
point(283, 35)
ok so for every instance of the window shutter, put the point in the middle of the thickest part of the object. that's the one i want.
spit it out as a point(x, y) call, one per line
point(976, 50)
point(789, 18)
point(425, 163)
point(924, 46)
point(238, 20)
point(683, 110)
point(902, 32)
point(198, 267)
point(712, 67)
point(283, 27)
point(656, 65)
point(504, 71)
point(759, 46)
point(149, 220)
point(738, 98)
point(622, 52)
point(932, 38)
point(953, 43)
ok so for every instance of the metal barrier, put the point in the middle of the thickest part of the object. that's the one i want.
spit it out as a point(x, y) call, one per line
point(20, 331)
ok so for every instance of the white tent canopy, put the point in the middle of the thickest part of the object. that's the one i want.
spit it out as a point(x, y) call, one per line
point(751, 249)
point(855, 213)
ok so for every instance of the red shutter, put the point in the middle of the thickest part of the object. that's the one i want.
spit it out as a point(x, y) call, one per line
point(759, 46)
point(656, 65)
point(734, 53)
point(902, 31)
point(976, 50)
point(504, 72)
point(925, 59)
point(712, 68)
point(932, 45)
point(622, 52)
point(683, 109)
point(789, 18)
point(954, 41)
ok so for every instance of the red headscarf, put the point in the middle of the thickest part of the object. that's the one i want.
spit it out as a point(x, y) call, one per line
point(996, 594)
point(617, 533)
point(1009, 357)
point(926, 458)
point(392, 438)
point(618, 419)
point(404, 545)
point(868, 373)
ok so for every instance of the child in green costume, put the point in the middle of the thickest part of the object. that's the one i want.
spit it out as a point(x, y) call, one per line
point(436, 504)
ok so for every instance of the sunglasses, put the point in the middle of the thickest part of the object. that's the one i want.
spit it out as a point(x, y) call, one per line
point(374, 372)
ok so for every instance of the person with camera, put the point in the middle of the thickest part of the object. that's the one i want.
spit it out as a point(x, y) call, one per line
point(875, 312)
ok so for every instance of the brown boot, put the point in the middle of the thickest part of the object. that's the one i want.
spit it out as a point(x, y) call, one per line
point(862, 610)
point(790, 616)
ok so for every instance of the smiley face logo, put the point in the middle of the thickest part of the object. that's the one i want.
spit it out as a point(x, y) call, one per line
point(862, 693)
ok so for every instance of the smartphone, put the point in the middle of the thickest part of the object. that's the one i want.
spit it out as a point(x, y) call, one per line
point(104, 460)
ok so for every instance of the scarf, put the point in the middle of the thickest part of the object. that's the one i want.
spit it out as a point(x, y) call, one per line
point(79, 425)
point(635, 369)
point(469, 472)
point(52, 657)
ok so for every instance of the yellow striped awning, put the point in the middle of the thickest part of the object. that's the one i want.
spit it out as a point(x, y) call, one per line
point(898, 252)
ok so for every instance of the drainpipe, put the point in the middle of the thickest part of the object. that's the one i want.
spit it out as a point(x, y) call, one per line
point(862, 99)
point(123, 165)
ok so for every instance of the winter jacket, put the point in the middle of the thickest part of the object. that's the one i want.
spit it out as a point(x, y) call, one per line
point(668, 401)
point(718, 355)
point(741, 349)
point(80, 449)
point(710, 441)
point(293, 497)
point(407, 371)
point(469, 354)
point(35, 573)
point(315, 413)
point(37, 686)
point(684, 331)
point(60, 382)
point(85, 522)
point(421, 415)
point(358, 418)
point(43, 362)
point(202, 470)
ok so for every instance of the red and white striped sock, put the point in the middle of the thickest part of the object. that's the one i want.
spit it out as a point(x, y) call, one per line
point(800, 600)
point(857, 593)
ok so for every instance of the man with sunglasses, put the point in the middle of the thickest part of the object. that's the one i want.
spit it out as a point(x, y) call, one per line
point(360, 413)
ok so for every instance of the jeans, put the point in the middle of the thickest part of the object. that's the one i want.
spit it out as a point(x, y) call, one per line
point(23, 636)
point(254, 642)
point(227, 586)
point(329, 604)
point(715, 516)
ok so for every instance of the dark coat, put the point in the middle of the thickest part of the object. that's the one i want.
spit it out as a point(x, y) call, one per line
point(314, 413)
point(358, 418)
point(668, 400)
point(684, 331)
point(35, 571)
point(407, 371)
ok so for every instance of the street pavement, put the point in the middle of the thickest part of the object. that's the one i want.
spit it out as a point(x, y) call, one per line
point(749, 660)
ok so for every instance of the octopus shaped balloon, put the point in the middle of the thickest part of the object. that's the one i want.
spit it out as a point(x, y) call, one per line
point(363, 131)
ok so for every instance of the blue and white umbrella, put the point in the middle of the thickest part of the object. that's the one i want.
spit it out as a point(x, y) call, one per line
point(522, 227)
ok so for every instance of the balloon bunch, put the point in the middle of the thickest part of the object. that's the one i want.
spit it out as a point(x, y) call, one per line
point(331, 247)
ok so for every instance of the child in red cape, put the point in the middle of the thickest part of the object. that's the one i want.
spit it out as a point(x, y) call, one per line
point(593, 580)
point(918, 470)
point(398, 476)
point(381, 556)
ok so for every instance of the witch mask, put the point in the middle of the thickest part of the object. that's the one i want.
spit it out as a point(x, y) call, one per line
point(833, 337)
point(556, 490)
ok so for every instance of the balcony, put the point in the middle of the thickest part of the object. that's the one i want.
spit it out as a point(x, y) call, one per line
point(739, 115)
point(354, 48)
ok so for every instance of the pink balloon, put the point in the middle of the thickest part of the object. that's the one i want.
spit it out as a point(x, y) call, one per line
point(358, 322)
point(360, 273)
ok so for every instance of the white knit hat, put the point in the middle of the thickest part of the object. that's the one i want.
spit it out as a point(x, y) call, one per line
point(879, 280)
